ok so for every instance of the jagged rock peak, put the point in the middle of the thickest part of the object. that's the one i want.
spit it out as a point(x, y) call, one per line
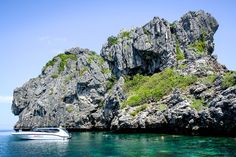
point(77, 50)
point(158, 44)
point(73, 83)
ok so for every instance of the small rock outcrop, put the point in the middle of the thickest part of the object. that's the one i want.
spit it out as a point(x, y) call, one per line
point(161, 77)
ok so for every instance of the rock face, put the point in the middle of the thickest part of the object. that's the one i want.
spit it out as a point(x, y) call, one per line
point(152, 48)
point(68, 97)
point(81, 90)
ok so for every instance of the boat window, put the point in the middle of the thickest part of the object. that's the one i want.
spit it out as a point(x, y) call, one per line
point(65, 130)
point(46, 130)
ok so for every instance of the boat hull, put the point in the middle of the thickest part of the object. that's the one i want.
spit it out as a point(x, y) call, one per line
point(39, 137)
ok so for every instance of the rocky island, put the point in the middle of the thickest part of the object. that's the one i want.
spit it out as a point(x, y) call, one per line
point(161, 77)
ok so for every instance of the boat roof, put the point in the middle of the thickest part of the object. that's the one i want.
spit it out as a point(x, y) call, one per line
point(47, 129)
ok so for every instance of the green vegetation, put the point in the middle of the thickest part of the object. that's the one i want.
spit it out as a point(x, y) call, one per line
point(162, 107)
point(200, 45)
point(93, 53)
point(112, 40)
point(51, 91)
point(126, 47)
point(50, 63)
point(64, 58)
point(133, 82)
point(101, 103)
point(139, 109)
point(179, 53)
point(198, 104)
point(172, 25)
point(182, 66)
point(142, 89)
point(82, 71)
point(208, 79)
point(110, 83)
point(125, 34)
point(55, 76)
point(70, 108)
point(106, 71)
point(134, 100)
point(95, 57)
point(145, 31)
point(110, 55)
point(229, 79)
point(68, 78)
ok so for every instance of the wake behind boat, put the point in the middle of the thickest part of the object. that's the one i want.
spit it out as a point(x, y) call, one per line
point(43, 134)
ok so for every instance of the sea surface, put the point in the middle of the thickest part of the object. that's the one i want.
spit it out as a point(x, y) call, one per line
point(102, 144)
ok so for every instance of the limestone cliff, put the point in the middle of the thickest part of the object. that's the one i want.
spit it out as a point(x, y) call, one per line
point(160, 77)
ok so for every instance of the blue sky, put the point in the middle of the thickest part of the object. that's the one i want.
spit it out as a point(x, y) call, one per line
point(32, 32)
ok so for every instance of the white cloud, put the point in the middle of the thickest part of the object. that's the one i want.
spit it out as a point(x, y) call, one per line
point(6, 99)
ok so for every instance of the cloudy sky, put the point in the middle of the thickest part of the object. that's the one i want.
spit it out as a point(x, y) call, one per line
point(32, 32)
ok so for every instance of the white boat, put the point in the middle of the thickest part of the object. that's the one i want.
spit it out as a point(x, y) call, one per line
point(43, 134)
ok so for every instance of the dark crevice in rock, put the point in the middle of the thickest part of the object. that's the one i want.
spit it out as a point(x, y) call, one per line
point(70, 99)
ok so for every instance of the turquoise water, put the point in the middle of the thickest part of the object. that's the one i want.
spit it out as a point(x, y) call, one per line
point(87, 144)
